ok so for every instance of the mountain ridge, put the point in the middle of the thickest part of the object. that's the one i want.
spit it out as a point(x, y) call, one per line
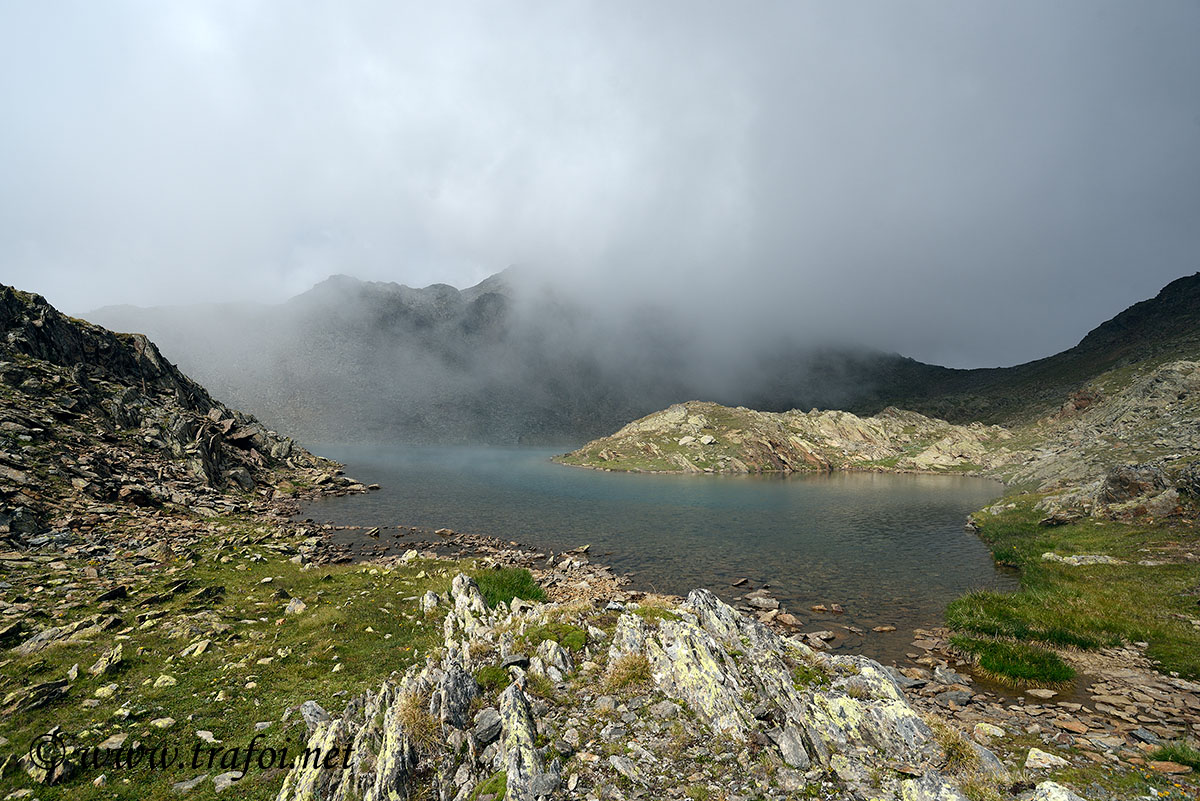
point(1157, 329)
point(145, 430)
point(507, 361)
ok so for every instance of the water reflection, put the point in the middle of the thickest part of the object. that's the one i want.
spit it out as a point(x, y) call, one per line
point(891, 549)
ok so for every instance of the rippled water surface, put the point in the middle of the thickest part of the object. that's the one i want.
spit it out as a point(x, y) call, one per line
point(891, 549)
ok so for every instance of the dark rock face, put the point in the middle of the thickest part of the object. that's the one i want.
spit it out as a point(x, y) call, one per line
point(19, 520)
point(88, 413)
point(1127, 482)
point(147, 386)
point(1187, 480)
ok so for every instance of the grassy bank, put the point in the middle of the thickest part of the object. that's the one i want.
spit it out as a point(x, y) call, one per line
point(1086, 606)
point(218, 654)
point(1016, 662)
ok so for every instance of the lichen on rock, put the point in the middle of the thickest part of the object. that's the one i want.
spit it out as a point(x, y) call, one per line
point(736, 682)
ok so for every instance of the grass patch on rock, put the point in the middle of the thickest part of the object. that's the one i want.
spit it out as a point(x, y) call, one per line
point(415, 720)
point(805, 676)
point(628, 671)
point(495, 785)
point(655, 611)
point(504, 584)
point(960, 756)
point(573, 638)
point(1180, 753)
point(492, 678)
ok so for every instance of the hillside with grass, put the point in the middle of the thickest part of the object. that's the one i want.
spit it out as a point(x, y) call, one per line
point(699, 437)
point(1153, 332)
point(171, 630)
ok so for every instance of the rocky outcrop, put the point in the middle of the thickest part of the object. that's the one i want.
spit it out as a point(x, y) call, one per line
point(1132, 451)
point(527, 776)
point(98, 417)
point(698, 437)
point(716, 684)
point(1125, 447)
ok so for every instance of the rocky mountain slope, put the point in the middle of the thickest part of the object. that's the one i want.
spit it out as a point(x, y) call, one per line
point(699, 437)
point(1149, 333)
point(89, 417)
point(1128, 442)
point(154, 593)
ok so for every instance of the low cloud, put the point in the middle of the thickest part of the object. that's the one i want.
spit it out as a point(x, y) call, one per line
point(974, 184)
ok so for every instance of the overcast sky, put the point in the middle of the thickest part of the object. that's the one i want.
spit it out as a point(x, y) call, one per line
point(967, 183)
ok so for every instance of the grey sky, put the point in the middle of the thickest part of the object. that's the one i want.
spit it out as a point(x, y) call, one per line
point(971, 183)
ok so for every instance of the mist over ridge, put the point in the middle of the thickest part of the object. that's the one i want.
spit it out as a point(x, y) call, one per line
point(512, 359)
point(515, 359)
point(969, 184)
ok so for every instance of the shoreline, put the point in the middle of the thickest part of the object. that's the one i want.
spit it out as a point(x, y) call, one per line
point(809, 597)
point(785, 473)
point(938, 680)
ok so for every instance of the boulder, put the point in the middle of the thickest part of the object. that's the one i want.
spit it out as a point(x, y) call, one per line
point(1130, 482)
point(109, 660)
point(1037, 759)
point(1050, 791)
point(452, 695)
point(528, 775)
point(487, 726)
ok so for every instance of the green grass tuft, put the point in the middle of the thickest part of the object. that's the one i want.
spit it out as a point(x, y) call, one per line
point(496, 785)
point(570, 637)
point(1016, 661)
point(1179, 752)
point(504, 584)
point(804, 675)
point(654, 612)
point(492, 678)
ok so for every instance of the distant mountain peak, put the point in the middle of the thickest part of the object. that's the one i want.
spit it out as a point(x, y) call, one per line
point(511, 359)
point(1150, 326)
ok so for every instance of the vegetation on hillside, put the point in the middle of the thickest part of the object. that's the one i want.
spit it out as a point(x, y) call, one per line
point(1152, 332)
point(227, 660)
point(1089, 606)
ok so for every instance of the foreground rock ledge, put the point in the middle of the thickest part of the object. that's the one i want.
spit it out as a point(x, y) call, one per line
point(633, 701)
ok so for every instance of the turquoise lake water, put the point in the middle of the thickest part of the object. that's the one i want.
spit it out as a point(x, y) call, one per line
point(891, 549)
